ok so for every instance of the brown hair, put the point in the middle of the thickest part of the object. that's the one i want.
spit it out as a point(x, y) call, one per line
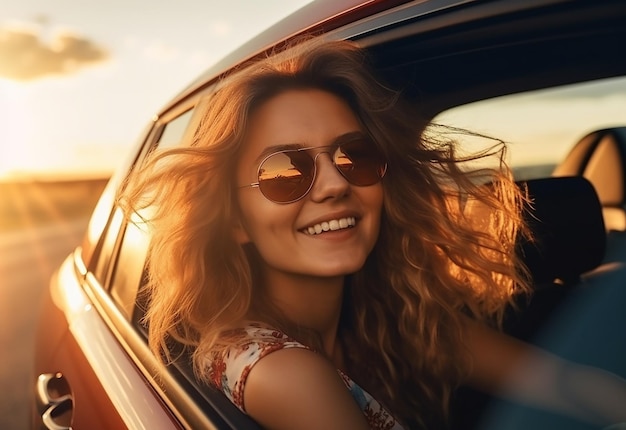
point(430, 269)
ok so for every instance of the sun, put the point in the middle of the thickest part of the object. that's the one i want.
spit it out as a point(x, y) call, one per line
point(25, 151)
point(16, 121)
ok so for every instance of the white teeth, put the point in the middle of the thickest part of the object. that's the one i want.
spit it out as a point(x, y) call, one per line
point(332, 225)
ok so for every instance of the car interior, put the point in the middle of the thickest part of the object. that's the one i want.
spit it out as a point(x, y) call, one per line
point(600, 156)
point(569, 241)
point(577, 213)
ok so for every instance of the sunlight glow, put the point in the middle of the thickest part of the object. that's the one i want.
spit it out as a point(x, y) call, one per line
point(67, 119)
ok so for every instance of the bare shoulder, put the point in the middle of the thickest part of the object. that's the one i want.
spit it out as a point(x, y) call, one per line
point(297, 388)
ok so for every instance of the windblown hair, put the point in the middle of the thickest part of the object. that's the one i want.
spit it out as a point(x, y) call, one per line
point(431, 270)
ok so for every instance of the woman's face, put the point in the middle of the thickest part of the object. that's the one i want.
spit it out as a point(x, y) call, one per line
point(282, 232)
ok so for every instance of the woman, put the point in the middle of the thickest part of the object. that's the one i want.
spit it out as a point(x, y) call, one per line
point(310, 246)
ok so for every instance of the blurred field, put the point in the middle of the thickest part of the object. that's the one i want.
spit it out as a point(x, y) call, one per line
point(25, 204)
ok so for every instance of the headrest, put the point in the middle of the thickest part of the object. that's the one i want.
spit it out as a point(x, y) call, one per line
point(600, 156)
point(565, 218)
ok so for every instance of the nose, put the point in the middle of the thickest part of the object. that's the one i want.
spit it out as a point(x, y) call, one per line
point(329, 183)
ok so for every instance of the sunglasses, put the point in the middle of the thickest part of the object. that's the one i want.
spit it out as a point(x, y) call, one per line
point(286, 176)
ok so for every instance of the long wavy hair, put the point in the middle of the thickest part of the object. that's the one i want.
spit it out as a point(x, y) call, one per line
point(431, 269)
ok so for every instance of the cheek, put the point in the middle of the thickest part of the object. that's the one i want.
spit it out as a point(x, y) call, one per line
point(374, 199)
point(375, 204)
point(262, 220)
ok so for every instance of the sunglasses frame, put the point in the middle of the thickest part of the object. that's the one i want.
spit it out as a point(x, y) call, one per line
point(335, 146)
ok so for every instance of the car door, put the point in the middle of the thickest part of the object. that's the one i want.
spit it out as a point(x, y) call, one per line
point(87, 371)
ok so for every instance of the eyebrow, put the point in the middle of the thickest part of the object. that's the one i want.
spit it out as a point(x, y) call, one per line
point(347, 137)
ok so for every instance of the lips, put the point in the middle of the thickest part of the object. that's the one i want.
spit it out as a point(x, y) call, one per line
point(330, 225)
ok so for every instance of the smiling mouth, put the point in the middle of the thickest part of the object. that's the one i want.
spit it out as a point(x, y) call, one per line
point(332, 225)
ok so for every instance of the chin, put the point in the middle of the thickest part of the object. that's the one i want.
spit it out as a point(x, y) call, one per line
point(341, 269)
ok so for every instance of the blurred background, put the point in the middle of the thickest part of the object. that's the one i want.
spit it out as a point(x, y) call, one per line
point(79, 80)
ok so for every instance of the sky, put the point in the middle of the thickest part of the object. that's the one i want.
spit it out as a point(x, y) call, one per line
point(79, 80)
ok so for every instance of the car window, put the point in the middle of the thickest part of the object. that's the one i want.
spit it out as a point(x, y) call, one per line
point(540, 127)
point(128, 272)
point(102, 261)
point(174, 131)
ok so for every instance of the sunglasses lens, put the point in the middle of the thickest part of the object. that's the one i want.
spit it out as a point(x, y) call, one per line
point(286, 176)
point(360, 163)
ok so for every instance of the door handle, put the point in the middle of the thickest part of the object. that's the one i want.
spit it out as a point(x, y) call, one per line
point(55, 401)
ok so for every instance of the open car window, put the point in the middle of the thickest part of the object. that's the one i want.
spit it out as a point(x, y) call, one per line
point(540, 127)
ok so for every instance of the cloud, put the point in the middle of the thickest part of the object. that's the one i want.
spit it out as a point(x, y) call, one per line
point(25, 55)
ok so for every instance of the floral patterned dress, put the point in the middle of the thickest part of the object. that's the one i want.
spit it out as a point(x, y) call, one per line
point(230, 371)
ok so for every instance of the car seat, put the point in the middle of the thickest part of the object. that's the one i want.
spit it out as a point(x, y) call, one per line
point(600, 156)
point(569, 240)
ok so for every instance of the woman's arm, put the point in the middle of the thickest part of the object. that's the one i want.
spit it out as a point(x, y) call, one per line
point(298, 389)
point(508, 368)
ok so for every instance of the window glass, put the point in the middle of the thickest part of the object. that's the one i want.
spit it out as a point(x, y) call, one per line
point(107, 248)
point(127, 276)
point(175, 130)
point(540, 127)
point(102, 211)
point(128, 273)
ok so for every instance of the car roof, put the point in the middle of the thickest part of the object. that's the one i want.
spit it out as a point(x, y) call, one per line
point(371, 23)
point(316, 17)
